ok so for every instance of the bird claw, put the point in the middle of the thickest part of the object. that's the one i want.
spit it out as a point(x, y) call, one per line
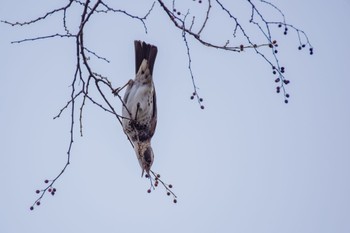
point(116, 91)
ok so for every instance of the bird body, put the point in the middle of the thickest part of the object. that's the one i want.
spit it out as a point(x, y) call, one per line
point(140, 108)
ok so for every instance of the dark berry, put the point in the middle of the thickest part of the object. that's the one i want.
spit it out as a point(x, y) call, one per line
point(178, 13)
point(158, 175)
point(285, 32)
point(38, 203)
point(53, 190)
point(46, 181)
point(311, 51)
point(270, 45)
point(192, 97)
point(37, 191)
point(286, 81)
point(303, 45)
point(299, 47)
point(31, 208)
point(149, 190)
point(170, 186)
point(200, 99)
point(49, 190)
point(276, 51)
point(287, 95)
point(274, 72)
point(175, 201)
point(168, 193)
point(274, 42)
point(202, 107)
point(277, 80)
point(286, 101)
point(279, 25)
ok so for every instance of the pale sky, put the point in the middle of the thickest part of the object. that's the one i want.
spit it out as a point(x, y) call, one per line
point(248, 163)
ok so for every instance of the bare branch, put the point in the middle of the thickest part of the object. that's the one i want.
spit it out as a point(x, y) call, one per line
point(257, 19)
point(66, 106)
point(195, 88)
point(42, 38)
point(99, 57)
point(141, 19)
point(86, 80)
point(206, 18)
point(50, 13)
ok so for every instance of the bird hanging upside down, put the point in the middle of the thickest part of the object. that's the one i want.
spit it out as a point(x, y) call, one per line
point(139, 110)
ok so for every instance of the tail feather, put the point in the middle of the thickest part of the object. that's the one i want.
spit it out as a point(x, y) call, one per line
point(144, 51)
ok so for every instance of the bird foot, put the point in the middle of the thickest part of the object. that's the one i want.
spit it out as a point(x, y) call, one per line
point(118, 89)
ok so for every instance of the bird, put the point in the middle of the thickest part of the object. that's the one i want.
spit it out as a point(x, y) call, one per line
point(139, 110)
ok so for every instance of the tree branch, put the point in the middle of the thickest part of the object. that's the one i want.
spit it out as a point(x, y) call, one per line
point(86, 80)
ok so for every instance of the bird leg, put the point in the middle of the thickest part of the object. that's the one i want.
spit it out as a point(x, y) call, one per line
point(118, 89)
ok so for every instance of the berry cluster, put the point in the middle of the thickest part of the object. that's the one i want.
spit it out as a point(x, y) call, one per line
point(274, 45)
point(177, 12)
point(311, 50)
point(156, 179)
point(280, 70)
point(302, 45)
point(200, 100)
point(281, 81)
point(49, 189)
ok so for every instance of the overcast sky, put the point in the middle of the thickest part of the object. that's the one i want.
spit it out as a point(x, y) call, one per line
point(248, 163)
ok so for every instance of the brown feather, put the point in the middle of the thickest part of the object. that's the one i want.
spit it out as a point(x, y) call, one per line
point(145, 51)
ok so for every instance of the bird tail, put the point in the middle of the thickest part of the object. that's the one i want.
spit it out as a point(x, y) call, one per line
point(144, 51)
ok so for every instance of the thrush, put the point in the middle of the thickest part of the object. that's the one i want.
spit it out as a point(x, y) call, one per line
point(139, 109)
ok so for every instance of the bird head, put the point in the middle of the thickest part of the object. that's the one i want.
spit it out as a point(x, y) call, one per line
point(145, 156)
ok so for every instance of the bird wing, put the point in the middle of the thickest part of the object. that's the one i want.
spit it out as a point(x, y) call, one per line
point(154, 115)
